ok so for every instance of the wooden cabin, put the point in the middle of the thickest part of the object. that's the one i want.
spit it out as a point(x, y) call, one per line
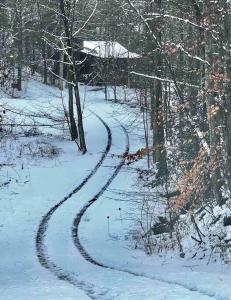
point(100, 62)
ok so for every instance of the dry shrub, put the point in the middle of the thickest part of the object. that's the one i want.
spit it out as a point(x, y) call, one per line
point(192, 184)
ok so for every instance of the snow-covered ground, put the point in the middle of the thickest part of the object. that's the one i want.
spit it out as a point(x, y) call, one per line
point(35, 182)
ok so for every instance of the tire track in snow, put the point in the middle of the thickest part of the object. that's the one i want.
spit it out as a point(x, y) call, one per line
point(79, 216)
point(41, 249)
point(89, 258)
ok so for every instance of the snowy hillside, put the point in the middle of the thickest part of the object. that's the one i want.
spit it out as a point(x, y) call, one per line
point(63, 230)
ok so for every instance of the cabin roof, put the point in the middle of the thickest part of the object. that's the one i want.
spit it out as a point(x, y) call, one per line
point(106, 49)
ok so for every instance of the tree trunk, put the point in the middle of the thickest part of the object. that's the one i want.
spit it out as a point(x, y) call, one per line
point(44, 55)
point(227, 113)
point(61, 70)
point(74, 70)
point(213, 102)
point(159, 154)
point(20, 46)
point(73, 127)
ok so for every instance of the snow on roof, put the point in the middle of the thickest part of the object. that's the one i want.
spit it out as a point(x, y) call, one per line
point(105, 49)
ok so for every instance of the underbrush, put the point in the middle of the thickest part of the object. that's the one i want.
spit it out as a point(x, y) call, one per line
point(19, 152)
point(197, 229)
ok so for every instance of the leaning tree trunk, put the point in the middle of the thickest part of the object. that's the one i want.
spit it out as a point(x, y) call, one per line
point(73, 127)
point(74, 71)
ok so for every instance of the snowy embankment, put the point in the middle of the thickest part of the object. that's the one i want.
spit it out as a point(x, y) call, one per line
point(38, 183)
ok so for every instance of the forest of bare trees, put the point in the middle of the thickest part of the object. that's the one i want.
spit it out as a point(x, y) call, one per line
point(184, 79)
